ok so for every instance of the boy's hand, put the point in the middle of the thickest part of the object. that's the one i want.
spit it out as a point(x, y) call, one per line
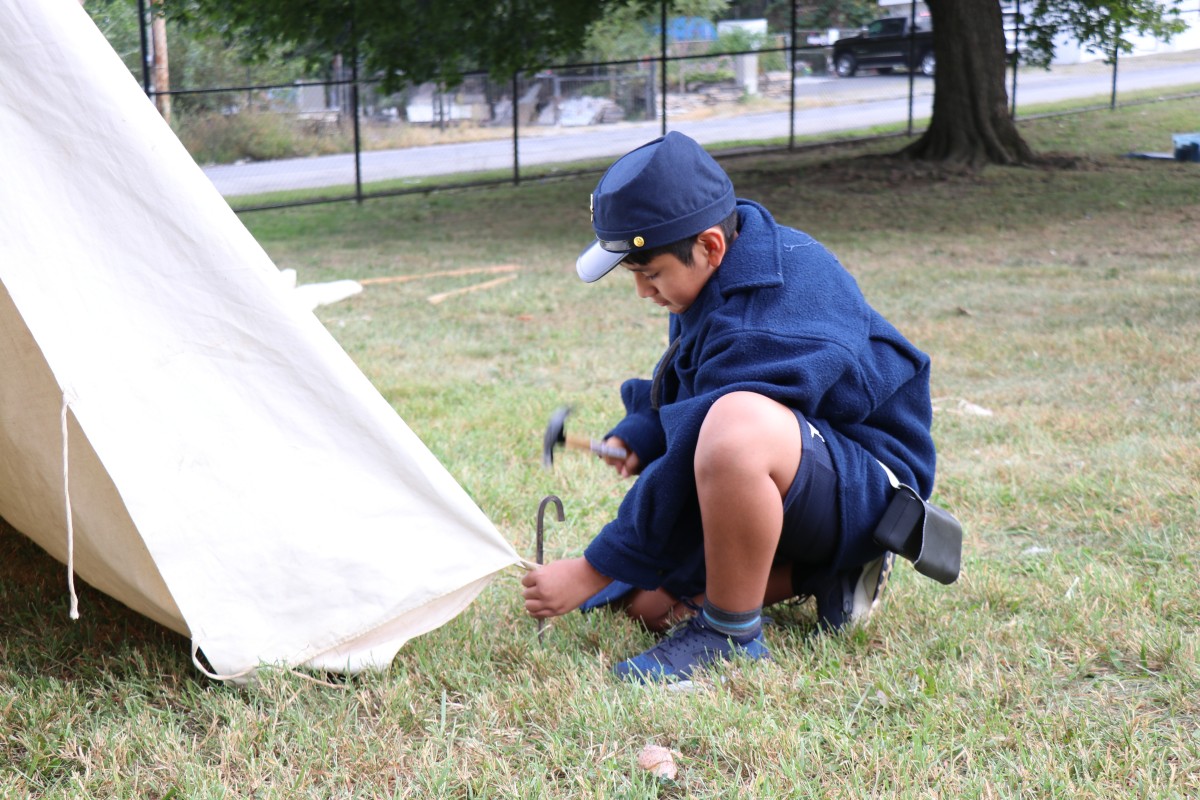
point(627, 466)
point(560, 587)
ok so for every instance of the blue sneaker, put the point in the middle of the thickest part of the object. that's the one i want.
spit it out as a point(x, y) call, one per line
point(850, 596)
point(692, 644)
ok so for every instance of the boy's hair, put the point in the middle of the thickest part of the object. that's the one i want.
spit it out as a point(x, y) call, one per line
point(681, 249)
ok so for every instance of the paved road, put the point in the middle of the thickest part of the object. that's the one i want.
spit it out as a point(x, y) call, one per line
point(824, 105)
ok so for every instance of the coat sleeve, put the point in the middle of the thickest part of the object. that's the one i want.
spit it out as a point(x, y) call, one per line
point(641, 428)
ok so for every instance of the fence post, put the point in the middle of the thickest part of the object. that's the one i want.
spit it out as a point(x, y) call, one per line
point(1016, 57)
point(1112, 103)
point(662, 46)
point(651, 92)
point(792, 87)
point(516, 110)
point(141, 6)
point(912, 76)
point(358, 182)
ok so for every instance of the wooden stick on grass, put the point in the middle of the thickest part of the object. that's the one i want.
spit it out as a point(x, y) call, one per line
point(440, 296)
point(442, 274)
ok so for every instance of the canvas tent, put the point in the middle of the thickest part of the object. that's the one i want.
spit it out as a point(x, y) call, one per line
point(229, 471)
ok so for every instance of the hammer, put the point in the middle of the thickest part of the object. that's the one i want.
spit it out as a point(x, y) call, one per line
point(555, 435)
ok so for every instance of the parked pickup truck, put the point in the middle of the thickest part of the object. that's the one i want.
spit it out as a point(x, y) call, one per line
point(884, 45)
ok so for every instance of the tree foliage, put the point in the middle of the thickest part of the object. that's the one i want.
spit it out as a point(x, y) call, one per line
point(118, 21)
point(199, 59)
point(631, 30)
point(407, 40)
point(836, 13)
point(810, 14)
point(1102, 25)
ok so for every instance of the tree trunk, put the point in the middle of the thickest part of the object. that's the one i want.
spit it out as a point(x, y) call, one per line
point(971, 122)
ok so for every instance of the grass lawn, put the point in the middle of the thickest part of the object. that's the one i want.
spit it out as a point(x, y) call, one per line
point(1061, 307)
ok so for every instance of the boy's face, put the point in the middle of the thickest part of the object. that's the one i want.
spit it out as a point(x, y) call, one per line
point(672, 284)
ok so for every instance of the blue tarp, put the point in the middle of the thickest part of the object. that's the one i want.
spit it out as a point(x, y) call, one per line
point(687, 29)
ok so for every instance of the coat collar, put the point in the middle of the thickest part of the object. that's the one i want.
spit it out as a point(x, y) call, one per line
point(752, 261)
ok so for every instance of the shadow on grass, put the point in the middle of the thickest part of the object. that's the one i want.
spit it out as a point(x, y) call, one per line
point(39, 639)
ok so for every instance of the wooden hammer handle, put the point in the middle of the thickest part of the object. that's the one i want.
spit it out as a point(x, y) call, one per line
point(599, 448)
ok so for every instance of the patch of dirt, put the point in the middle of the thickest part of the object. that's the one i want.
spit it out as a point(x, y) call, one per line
point(1067, 162)
point(896, 170)
point(887, 170)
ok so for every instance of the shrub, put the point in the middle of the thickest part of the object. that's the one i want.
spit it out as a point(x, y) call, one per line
point(215, 138)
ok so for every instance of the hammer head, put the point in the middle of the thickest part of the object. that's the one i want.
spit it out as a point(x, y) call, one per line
point(555, 435)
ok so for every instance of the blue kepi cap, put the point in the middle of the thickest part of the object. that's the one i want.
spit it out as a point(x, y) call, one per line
point(662, 192)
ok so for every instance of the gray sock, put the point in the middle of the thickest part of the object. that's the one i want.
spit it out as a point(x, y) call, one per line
point(741, 626)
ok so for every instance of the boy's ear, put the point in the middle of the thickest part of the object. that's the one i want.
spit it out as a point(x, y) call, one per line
point(714, 244)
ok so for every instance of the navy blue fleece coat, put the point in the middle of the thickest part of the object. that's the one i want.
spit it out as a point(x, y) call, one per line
point(783, 318)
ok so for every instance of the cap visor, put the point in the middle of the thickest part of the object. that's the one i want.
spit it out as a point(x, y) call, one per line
point(595, 262)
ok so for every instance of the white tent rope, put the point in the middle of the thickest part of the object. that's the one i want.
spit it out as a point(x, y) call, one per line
point(70, 516)
point(251, 670)
point(215, 675)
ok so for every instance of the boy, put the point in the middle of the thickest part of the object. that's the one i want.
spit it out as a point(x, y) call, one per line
point(762, 439)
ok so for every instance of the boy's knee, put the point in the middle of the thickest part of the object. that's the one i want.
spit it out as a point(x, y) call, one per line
point(746, 431)
point(732, 424)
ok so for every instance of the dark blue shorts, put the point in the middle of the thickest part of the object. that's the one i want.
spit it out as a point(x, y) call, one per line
point(810, 509)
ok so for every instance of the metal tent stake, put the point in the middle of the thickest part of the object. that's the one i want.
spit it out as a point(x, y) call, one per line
point(541, 550)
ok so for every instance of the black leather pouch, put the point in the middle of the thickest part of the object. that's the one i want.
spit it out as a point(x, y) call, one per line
point(928, 536)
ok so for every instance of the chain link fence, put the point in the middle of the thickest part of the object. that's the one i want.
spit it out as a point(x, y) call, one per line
point(733, 85)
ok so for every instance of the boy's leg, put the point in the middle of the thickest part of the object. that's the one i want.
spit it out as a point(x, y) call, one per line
point(747, 456)
point(658, 610)
point(781, 585)
point(746, 459)
point(809, 536)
